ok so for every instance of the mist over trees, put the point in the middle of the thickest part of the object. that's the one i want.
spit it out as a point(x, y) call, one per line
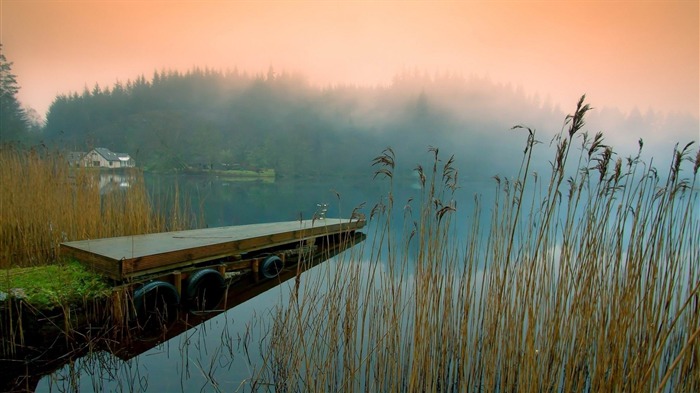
point(208, 118)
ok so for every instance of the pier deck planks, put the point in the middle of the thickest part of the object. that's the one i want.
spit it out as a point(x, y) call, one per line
point(131, 256)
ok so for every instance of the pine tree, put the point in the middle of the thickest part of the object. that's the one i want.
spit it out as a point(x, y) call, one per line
point(13, 119)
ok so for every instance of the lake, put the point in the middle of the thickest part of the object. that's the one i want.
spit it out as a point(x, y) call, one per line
point(519, 302)
point(225, 348)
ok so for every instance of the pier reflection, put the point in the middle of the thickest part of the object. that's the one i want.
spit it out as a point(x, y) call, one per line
point(53, 346)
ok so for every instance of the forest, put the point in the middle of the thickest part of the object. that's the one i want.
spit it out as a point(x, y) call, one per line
point(206, 118)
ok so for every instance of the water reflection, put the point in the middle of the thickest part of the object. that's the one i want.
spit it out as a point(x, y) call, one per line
point(109, 357)
point(115, 181)
point(222, 202)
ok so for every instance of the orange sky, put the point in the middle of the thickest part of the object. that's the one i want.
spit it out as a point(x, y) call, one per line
point(624, 53)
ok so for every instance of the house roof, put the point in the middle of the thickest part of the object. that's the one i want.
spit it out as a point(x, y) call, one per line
point(110, 155)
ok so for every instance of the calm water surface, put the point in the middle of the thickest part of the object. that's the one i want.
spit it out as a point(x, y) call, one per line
point(223, 353)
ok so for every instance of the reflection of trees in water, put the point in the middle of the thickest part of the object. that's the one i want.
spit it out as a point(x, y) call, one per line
point(226, 202)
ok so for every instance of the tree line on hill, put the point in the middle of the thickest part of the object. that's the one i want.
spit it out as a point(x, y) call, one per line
point(207, 118)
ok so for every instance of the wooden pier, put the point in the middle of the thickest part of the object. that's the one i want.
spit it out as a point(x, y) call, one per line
point(103, 328)
point(156, 274)
point(233, 247)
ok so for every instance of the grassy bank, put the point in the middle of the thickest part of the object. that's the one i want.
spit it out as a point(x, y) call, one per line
point(234, 173)
point(49, 286)
point(585, 280)
point(44, 203)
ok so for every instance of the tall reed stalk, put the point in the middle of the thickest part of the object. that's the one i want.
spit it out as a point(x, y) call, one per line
point(589, 282)
point(44, 202)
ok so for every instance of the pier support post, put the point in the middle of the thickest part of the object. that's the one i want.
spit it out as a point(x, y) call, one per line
point(118, 306)
point(177, 281)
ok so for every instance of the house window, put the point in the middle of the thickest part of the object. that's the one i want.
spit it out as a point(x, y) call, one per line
point(110, 163)
point(95, 163)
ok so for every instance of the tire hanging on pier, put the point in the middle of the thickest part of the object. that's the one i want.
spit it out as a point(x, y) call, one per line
point(271, 266)
point(156, 304)
point(204, 290)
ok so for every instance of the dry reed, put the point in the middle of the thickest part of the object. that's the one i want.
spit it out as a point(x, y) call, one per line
point(588, 282)
point(44, 202)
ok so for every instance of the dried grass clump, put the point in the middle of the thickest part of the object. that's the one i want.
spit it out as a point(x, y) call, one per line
point(588, 282)
point(44, 202)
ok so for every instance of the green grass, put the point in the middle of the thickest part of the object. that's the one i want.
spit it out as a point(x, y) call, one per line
point(50, 286)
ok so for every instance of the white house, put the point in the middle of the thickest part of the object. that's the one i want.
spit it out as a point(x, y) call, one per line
point(101, 157)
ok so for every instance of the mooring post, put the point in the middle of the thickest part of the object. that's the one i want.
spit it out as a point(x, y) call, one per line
point(256, 266)
point(177, 281)
point(117, 309)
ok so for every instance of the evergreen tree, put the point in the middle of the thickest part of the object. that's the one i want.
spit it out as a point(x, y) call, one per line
point(13, 120)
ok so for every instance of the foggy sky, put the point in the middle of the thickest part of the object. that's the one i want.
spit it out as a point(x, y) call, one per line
point(622, 54)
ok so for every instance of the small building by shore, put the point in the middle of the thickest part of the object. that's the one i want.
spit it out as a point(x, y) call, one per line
point(101, 157)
